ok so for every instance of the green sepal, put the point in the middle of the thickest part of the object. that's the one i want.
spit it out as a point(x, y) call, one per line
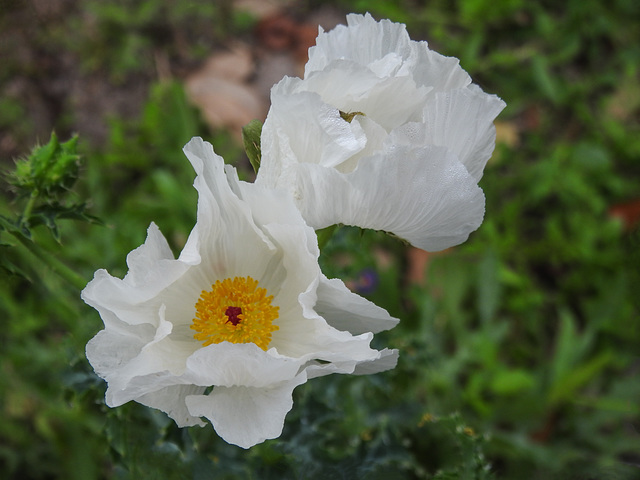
point(403, 241)
point(325, 234)
point(251, 138)
point(349, 116)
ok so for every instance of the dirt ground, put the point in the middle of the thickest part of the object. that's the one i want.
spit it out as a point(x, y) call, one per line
point(57, 71)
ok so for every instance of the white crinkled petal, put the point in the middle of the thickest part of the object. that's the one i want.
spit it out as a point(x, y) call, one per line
point(422, 194)
point(110, 351)
point(434, 70)
point(274, 207)
point(462, 121)
point(376, 136)
point(301, 121)
point(145, 258)
point(157, 364)
point(370, 43)
point(298, 336)
point(165, 353)
point(227, 242)
point(385, 360)
point(131, 300)
point(225, 225)
point(363, 41)
point(344, 310)
point(122, 388)
point(349, 87)
point(303, 333)
point(246, 416)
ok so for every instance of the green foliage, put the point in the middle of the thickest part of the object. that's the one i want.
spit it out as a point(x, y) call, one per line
point(144, 159)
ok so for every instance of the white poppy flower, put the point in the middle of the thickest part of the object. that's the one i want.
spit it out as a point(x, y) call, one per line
point(244, 309)
point(381, 133)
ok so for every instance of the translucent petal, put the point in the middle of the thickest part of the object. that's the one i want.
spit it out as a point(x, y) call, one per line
point(245, 416)
point(462, 121)
point(432, 69)
point(171, 400)
point(225, 224)
point(108, 350)
point(144, 258)
point(345, 310)
point(386, 361)
point(130, 300)
point(363, 41)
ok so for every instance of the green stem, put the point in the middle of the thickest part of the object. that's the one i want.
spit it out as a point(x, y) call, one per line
point(29, 207)
point(56, 265)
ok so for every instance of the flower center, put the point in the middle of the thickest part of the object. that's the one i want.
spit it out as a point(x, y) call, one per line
point(237, 311)
point(232, 313)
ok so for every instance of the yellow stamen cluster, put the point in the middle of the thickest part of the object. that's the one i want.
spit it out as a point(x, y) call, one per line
point(237, 311)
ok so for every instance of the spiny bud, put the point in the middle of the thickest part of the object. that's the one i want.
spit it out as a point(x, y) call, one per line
point(50, 169)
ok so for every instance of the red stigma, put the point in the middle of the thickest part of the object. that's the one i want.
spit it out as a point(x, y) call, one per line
point(232, 313)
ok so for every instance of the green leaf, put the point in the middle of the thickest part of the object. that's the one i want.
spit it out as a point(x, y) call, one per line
point(489, 286)
point(566, 387)
point(511, 382)
point(572, 367)
point(545, 79)
point(251, 138)
point(571, 347)
point(49, 214)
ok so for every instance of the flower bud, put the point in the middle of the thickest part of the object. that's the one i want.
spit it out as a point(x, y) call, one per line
point(50, 169)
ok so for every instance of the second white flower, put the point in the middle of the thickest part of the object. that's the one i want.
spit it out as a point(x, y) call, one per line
point(381, 133)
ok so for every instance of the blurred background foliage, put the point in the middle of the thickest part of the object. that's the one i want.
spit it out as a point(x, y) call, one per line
point(519, 349)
